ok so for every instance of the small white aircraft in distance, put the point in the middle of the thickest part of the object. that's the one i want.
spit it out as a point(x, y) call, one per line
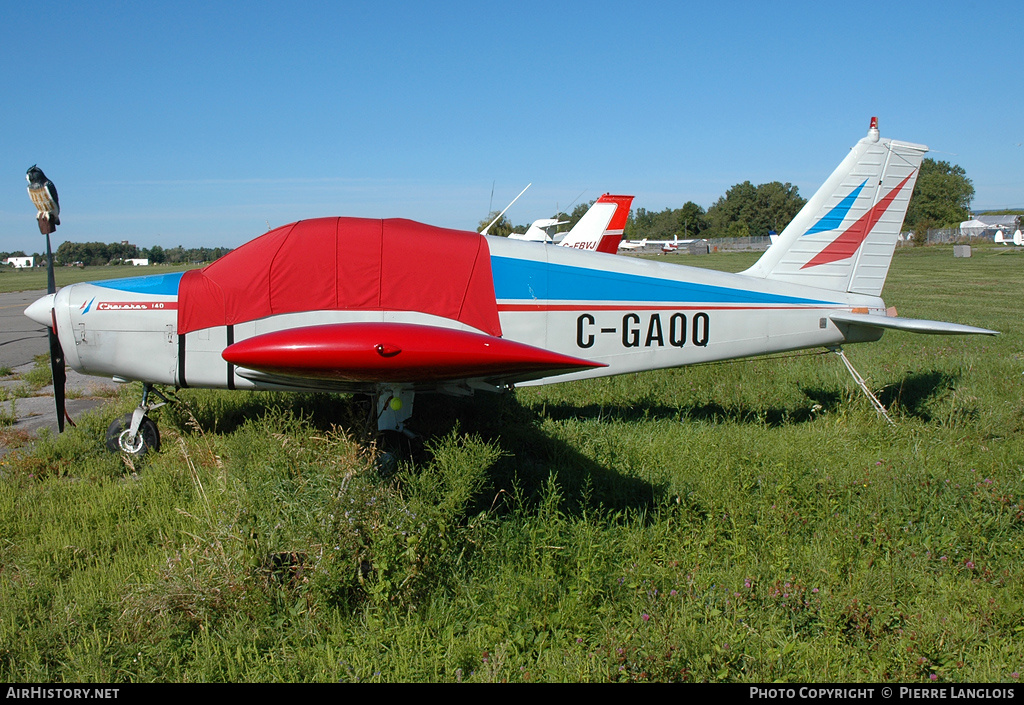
point(541, 230)
point(633, 244)
point(599, 230)
point(391, 308)
point(1017, 239)
point(667, 246)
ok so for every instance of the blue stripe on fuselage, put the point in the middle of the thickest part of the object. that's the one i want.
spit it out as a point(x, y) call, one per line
point(521, 279)
point(157, 284)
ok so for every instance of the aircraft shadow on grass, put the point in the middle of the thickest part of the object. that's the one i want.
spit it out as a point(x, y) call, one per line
point(909, 397)
point(529, 455)
point(913, 395)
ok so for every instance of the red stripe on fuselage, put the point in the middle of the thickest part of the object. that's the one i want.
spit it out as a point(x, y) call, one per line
point(137, 306)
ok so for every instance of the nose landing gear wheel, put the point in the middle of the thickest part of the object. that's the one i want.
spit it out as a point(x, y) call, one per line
point(119, 436)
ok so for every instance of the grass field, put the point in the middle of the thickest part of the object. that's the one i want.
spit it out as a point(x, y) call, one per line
point(31, 279)
point(753, 521)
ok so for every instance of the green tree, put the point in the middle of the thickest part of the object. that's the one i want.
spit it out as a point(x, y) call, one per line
point(175, 255)
point(942, 197)
point(760, 208)
point(88, 253)
point(503, 227)
point(693, 219)
point(685, 222)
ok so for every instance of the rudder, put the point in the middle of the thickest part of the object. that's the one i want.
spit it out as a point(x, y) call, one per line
point(844, 237)
point(601, 227)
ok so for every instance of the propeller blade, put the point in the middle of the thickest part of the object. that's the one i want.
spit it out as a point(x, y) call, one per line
point(59, 380)
point(60, 376)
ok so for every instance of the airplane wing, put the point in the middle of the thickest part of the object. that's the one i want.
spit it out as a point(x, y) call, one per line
point(913, 325)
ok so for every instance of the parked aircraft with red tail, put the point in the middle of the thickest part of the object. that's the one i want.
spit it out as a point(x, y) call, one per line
point(599, 230)
point(394, 307)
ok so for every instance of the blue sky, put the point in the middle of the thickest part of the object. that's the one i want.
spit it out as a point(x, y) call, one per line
point(203, 123)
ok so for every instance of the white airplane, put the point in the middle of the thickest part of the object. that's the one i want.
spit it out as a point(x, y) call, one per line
point(1018, 238)
point(633, 244)
point(392, 308)
point(676, 243)
point(599, 230)
point(666, 245)
point(542, 230)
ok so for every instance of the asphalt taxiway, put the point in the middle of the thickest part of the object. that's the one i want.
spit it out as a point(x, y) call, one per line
point(21, 340)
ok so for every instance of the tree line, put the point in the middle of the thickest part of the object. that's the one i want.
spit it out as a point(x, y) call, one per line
point(941, 199)
point(95, 254)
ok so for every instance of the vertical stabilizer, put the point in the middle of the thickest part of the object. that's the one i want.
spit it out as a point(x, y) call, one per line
point(843, 238)
point(601, 227)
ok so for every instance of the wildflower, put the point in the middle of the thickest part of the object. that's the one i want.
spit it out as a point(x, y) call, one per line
point(934, 676)
point(646, 617)
point(1015, 675)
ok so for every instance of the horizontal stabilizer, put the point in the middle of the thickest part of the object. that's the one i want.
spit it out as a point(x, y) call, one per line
point(395, 352)
point(913, 325)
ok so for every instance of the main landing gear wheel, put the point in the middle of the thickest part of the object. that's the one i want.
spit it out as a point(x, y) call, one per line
point(119, 436)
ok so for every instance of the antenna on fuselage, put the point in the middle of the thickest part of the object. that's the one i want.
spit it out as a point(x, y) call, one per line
point(484, 231)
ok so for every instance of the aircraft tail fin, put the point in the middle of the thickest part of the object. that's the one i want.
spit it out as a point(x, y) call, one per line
point(844, 237)
point(601, 227)
point(1016, 239)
